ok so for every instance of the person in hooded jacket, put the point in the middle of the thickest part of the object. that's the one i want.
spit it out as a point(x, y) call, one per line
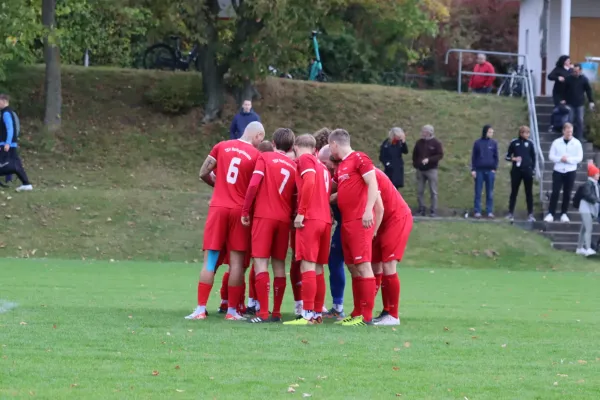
point(242, 119)
point(390, 155)
point(484, 163)
point(559, 76)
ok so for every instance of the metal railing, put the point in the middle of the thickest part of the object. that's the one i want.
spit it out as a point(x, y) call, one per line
point(529, 94)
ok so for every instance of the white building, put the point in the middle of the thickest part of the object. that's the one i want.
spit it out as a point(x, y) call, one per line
point(566, 26)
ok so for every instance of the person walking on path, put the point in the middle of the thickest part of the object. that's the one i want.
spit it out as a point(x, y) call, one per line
point(10, 162)
point(521, 152)
point(242, 119)
point(484, 163)
point(577, 86)
point(482, 83)
point(588, 208)
point(390, 155)
point(559, 75)
point(427, 153)
point(566, 152)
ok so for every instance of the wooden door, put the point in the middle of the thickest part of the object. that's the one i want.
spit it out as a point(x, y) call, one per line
point(585, 38)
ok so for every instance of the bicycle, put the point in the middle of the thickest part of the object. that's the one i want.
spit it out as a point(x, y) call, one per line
point(315, 67)
point(513, 85)
point(163, 56)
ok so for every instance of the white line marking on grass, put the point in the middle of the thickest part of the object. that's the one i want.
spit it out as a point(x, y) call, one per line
point(6, 306)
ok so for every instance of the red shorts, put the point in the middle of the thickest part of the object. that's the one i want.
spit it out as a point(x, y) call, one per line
point(224, 259)
point(357, 242)
point(224, 229)
point(313, 242)
point(391, 240)
point(270, 238)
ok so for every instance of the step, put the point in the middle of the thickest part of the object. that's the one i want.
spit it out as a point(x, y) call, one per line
point(558, 227)
point(581, 174)
point(568, 237)
point(571, 247)
point(544, 100)
point(544, 107)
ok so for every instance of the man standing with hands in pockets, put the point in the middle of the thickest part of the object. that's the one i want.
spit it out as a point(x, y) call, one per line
point(428, 152)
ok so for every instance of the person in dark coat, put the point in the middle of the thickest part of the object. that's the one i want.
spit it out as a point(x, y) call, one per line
point(559, 75)
point(484, 163)
point(390, 155)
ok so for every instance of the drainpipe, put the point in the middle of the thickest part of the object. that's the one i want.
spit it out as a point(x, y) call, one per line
point(544, 45)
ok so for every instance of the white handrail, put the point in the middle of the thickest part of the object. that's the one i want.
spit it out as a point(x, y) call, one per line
point(529, 92)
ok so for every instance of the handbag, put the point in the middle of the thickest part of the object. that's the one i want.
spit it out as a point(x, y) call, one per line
point(7, 163)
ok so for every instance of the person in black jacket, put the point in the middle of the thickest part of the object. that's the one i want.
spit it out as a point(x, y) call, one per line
point(390, 155)
point(577, 86)
point(521, 152)
point(559, 75)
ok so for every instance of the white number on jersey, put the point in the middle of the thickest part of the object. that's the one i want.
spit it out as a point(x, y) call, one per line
point(286, 176)
point(326, 177)
point(233, 171)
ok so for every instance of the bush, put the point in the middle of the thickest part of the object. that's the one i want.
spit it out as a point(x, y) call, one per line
point(176, 93)
point(592, 120)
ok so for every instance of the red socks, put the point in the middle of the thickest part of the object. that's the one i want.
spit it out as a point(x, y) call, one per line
point(236, 294)
point(309, 290)
point(252, 283)
point(391, 294)
point(378, 279)
point(278, 292)
point(224, 291)
point(368, 287)
point(203, 293)
point(356, 291)
point(296, 280)
point(321, 290)
point(262, 288)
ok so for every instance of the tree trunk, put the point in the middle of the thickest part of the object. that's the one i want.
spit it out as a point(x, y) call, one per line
point(246, 91)
point(52, 83)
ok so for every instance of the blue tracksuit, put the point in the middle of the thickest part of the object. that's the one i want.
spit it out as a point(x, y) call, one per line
point(337, 275)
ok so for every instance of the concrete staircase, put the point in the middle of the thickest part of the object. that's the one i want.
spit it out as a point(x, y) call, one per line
point(563, 236)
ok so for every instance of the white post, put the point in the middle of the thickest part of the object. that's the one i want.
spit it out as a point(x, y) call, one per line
point(565, 27)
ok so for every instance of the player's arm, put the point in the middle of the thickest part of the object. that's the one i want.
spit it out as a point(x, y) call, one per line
point(206, 171)
point(255, 181)
point(372, 193)
point(308, 188)
point(379, 210)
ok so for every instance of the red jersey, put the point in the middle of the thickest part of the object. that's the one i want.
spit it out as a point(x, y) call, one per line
point(352, 189)
point(318, 208)
point(393, 203)
point(235, 163)
point(274, 197)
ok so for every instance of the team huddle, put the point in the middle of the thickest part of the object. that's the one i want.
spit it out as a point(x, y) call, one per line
point(272, 196)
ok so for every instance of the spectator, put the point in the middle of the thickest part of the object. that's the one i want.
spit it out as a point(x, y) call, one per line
point(428, 152)
point(242, 119)
point(484, 163)
point(521, 152)
point(588, 208)
point(390, 155)
point(577, 86)
point(9, 142)
point(559, 75)
point(565, 153)
point(482, 83)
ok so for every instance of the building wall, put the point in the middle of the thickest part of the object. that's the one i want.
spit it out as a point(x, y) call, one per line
point(530, 37)
point(585, 8)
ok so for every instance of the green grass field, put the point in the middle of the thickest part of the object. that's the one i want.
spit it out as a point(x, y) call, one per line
point(116, 330)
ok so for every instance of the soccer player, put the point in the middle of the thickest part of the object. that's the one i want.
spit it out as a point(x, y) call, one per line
point(389, 246)
point(313, 229)
point(357, 195)
point(337, 275)
point(272, 185)
point(234, 161)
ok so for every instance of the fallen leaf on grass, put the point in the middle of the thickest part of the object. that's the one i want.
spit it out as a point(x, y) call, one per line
point(407, 344)
point(322, 377)
point(168, 333)
point(582, 362)
point(304, 341)
point(291, 390)
point(74, 385)
point(504, 345)
point(300, 379)
point(396, 348)
point(130, 317)
point(177, 367)
point(562, 375)
point(581, 381)
point(179, 390)
point(212, 378)
point(306, 394)
point(393, 329)
point(398, 394)
point(22, 323)
point(473, 337)
point(54, 326)
point(446, 328)
point(294, 385)
point(155, 373)
point(555, 383)
point(472, 329)
point(396, 368)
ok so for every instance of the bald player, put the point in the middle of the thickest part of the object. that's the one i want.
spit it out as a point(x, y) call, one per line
point(234, 161)
point(337, 275)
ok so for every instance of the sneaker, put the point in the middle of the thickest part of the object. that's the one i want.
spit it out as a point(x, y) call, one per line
point(477, 215)
point(197, 314)
point(275, 319)
point(530, 218)
point(357, 321)
point(491, 216)
point(549, 218)
point(432, 215)
point(259, 320)
point(388, 320)
point(222, 308)
point(581, 252)
point(250, 311)
point(25, 188)
point(235, 317)
point(333, 313)
point(344, 320)
point(590, 252)
point(381, 315)
point(299, 322)
point(564, 218)
point(510, 217)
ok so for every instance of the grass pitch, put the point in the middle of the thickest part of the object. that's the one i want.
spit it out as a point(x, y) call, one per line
point(116, 330)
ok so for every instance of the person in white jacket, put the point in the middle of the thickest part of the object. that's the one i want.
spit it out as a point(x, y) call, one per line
point(566, 152)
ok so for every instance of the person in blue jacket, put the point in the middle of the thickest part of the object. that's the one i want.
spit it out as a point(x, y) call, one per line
point(10, 162)
point(484, 163)
point(242, 119)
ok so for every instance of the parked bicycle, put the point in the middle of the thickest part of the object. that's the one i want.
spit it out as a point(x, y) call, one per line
point(166, 57)
point(513, 86)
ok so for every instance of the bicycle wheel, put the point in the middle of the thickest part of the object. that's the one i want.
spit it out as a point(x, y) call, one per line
point(503, 88)
point(160, 56)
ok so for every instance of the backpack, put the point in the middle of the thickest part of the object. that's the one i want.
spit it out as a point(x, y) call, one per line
point(578, 196)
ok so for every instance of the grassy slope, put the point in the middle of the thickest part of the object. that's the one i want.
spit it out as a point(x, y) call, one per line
point(120, 180)
point(479, 334)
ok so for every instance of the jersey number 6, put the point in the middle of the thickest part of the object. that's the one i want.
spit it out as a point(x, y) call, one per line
point(233, 171)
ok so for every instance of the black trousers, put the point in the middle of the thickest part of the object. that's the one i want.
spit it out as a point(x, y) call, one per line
point(18, 165)
point(564, 181)
point(517, 176)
